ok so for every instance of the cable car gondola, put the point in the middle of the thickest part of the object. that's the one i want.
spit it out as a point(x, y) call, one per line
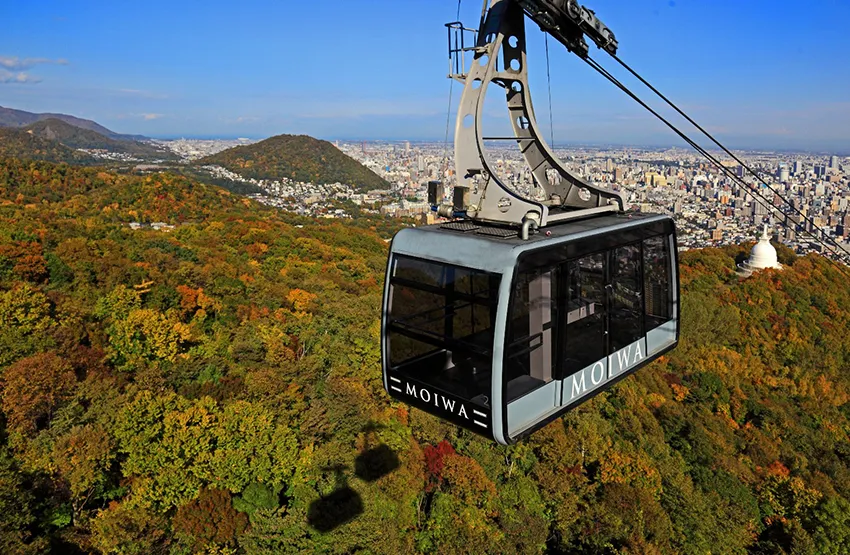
point(501, 335)
point(523, 306)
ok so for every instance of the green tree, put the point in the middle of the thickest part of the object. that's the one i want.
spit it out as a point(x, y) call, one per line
point(175, 446)
point(256, 496)
point(144, 336)
point(84, 457)
point(829, 525)
point(126, 529)
point(17, 507)
point(25, 321)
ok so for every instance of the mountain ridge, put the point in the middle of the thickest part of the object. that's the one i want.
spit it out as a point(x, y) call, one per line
point(11, 117)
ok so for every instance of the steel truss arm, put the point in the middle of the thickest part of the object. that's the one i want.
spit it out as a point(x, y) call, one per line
point(483, 195)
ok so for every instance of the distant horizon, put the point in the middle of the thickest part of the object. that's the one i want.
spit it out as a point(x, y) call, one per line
point(711, 148)
point(441, 140)
point(378, 70)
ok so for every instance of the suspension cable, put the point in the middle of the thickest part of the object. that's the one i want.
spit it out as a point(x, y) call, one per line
point(767, 203)
point(726, 150)
point(451, 88)
point(549, 85)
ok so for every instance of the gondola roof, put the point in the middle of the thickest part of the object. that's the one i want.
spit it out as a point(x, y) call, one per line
point(494, 253)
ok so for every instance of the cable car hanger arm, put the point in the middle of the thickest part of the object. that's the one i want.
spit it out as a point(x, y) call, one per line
point(499, 57)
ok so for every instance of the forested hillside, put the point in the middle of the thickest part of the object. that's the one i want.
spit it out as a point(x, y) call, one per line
point(76, 137)
point(299, 158)
point(217, 389)
point(17, 143)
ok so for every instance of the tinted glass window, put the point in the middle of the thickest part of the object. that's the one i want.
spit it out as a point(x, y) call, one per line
point(585, 313)
point(657, 280)
point(531, 332)
point(440, 325)
point(625, 294)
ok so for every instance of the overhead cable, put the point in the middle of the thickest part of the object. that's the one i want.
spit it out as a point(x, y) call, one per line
point(715, 141)
point(766, 203)
point(451, 89)
point(549, 85)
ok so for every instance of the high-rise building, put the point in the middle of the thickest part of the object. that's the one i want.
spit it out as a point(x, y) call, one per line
point(790, 234)
point(798, 167)
point(609, 165)
point(783, 173)
point(833, 162)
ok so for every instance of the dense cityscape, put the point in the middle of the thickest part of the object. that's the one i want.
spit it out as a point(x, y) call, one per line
point(710, 207)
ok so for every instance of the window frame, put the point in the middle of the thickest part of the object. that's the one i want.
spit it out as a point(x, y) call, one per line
point(604, 244)
point(489, 299)
point(552, 327)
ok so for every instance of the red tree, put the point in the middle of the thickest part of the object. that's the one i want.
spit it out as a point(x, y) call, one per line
point(434, 458)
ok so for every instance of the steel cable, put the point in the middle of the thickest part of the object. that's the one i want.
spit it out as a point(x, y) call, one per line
point(726, 150)
point(766, 203)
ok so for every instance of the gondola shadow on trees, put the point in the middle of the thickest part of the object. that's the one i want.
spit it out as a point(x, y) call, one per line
point(339, 507)
point(374, 462)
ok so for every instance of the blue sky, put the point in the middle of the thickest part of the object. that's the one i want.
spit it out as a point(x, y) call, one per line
point(759, 73)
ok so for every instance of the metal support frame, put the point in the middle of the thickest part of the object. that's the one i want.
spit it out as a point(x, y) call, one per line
point(486, 199)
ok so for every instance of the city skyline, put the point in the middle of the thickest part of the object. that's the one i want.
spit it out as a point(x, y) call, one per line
point(361, 73)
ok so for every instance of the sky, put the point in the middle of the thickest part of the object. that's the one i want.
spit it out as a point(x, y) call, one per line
point(758, 73)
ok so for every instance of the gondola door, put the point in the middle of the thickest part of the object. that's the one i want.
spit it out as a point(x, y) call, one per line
point(626, 344)
point(603, 336)
point(583, 363)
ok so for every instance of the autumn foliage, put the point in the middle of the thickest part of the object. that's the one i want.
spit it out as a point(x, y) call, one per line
point(211, 518)
point(33, 388)
point(209, 389)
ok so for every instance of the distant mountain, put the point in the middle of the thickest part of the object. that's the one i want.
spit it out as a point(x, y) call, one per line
point(21, 144)
point(71, 136)
point(297, 157)
point(9, 117)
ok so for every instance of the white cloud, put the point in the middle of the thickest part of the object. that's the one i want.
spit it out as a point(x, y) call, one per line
point(20, 77)
point(241, 119)
point(146, 117)
point(14, 63)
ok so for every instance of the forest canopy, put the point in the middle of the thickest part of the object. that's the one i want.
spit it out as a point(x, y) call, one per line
point(216, 388)
point(297, 158)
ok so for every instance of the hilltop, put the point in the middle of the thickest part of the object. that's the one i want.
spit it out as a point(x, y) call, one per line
point(77, 137)
point(217, 388)
point(299, 158)
point(18, 143)
point(9, 117)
